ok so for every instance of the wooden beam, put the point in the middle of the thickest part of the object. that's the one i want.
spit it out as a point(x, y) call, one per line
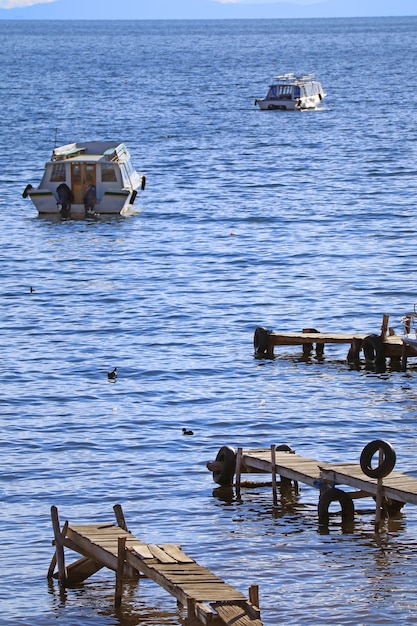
point(59, 546)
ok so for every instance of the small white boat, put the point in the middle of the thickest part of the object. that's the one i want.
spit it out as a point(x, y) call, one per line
point(410, 340)
point(90, 178)
point(410, 330)
point(291, 93)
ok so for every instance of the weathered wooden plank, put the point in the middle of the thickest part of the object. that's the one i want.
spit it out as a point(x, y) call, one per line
point(391, 489)
point(176, 553)
point(236, 615)
point(212, 592)
point(80, 570)
point(142, 551)
point(94, 551)
point(159, 553)
point(300, 338)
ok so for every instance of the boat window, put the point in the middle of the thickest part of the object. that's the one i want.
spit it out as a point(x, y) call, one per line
point(58, 173)
point(108, 175)
point(129, 167)
point(285, 91)
point(76, 174)
point(90, 174)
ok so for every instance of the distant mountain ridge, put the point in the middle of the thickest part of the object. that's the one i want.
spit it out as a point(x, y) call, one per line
point(209, 9)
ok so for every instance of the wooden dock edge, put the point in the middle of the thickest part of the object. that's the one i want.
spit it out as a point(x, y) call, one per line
point(376, 347)
point(133, 558)
point(390, 490)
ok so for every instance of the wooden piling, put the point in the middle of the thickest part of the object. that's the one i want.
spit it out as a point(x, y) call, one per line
point(121, 549)
point(238, 471)
point(254, 595)
point(274, 475)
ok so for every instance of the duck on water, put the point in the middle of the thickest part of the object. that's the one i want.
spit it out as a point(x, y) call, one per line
point(89, 178)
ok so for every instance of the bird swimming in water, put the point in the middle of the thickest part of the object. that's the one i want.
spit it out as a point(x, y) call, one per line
point(187, 432)
point(113, 374)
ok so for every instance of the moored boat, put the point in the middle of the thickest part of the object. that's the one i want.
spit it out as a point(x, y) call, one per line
point(290, 93)
point(89, 178)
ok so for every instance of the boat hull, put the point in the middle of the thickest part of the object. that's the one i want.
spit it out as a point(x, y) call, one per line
point(88, 178)
point(288, 105)
point(112, 203)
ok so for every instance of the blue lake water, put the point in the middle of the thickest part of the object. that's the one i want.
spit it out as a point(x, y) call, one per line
point(284, 220)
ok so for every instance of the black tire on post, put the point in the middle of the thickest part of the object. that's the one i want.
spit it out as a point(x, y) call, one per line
point(227, 456)
point(387, 464)
point(335, 495)
point(374, 352)
point(261, 341)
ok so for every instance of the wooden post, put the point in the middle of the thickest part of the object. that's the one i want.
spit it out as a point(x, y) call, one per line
point(190, 608)
point(384, 326)
point(59, 546)
point(53, 560)
point(254, 595)
point(121, 546)
point(354, 350)
point(378, 498)
point(274, 475)
point(120, 517)
point(404, 355)
point(238, 470)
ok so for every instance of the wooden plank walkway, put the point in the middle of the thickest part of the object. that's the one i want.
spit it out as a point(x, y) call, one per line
point(392, 345)
point(207, 597)
point(395, 489)
point(396, 486)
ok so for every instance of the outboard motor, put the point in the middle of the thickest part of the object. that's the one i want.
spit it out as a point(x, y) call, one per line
point(66, 197)
point(26, 190)
point(89, 199)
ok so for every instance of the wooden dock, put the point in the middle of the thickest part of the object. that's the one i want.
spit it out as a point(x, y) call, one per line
point(207, 597)
point(376, 348)
point(390, 491)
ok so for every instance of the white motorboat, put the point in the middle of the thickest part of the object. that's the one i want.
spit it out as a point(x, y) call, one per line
point(291, 93)
point(90, 178)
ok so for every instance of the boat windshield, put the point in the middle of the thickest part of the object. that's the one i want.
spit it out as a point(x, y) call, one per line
point(279, 92)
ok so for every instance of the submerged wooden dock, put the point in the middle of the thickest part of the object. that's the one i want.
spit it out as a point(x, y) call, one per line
point(207, 597)
point(390, 489)
point(376, 348)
